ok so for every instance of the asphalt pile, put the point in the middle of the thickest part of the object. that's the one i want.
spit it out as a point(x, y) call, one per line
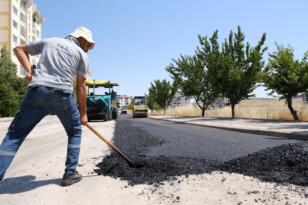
point(155, 170)
point(282, 164)
point(135, 142)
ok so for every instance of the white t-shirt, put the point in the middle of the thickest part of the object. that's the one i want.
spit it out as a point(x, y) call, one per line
point(60, 61)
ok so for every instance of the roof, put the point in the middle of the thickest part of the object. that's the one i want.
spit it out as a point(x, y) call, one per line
point(100, 83)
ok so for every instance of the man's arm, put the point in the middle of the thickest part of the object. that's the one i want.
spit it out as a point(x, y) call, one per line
point(82, 98)
point(21, 53)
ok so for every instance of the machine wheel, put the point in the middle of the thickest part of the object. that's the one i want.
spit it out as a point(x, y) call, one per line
point(109, 116)
point(105, 117)
point(114, 115)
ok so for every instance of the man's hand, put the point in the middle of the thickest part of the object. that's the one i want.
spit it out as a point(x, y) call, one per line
point(21, 53)
point(84, 119)
point(28, 77)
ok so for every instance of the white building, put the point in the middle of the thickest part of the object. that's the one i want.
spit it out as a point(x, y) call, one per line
point(20, 22)
point(304, 97)
point(124, 100)
point(179, 100)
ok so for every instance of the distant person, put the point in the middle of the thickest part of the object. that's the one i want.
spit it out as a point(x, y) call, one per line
point(50, 91)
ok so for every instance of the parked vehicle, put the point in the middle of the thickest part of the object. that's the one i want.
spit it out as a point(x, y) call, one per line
point(124, 110)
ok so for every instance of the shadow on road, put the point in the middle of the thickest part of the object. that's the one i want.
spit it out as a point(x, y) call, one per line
point(22, 184)
point(283, 164)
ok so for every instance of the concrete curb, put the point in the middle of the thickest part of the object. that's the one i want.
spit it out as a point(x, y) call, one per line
point(6, 119)
point(296, 136)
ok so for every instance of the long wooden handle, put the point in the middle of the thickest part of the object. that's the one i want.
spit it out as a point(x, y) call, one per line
point(109, 144)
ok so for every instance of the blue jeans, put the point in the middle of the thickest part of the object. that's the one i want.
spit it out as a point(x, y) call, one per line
point(38, 102)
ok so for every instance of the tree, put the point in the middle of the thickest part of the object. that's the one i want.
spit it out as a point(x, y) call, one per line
point(161, 93)
point(234, 69)
point(150, 99)
point(192, 79)
point(286, 76)
point(130, 106)
point(13, 88)
point(8, 101)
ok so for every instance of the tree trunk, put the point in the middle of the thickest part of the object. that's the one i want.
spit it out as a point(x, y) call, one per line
point(293, 112)
point(203, 111)
point(201, 107)
point(232, 109)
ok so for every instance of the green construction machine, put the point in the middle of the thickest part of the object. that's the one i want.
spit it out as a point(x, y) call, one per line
point(101, 107)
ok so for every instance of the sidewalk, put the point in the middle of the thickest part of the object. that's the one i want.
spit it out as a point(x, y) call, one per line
point(288, 129)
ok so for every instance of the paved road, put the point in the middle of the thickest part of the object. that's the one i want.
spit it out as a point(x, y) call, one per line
point(287, 129)
point(183, 140)
point(35, 174)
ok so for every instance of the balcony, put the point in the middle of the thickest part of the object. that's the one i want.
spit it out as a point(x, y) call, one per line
point(26, 3)
point(37, 18)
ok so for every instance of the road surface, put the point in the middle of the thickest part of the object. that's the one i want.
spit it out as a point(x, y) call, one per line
point(36, 171)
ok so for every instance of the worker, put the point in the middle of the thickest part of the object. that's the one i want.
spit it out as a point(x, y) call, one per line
point(50, 88)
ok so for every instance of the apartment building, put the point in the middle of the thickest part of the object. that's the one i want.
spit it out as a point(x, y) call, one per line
point(20, 22)
point(180, 100)
point(124, 100)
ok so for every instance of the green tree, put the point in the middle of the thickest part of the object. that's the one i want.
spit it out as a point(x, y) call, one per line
point(7, 67)
point(8, 101)
point(161, 93)
point(130, 106)
point(286, 76)
point(192, 79)
point(234, 68)
point(13, 88)
point(150, 99)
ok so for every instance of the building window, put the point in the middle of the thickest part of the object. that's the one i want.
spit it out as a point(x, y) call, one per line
point(23, 31)
point(15, 39)
point(15, 24)
point(23, 17)
point(15, 10)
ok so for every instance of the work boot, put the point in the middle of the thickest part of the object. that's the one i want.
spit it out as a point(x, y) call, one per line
point(69, 179)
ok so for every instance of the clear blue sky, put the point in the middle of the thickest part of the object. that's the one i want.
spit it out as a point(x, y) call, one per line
point(137, 39)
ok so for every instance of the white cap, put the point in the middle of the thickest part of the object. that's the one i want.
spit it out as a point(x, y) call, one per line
point(83, 32)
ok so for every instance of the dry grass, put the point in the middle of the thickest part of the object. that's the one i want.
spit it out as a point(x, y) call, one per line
point(187, 111)
point(271, 109)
